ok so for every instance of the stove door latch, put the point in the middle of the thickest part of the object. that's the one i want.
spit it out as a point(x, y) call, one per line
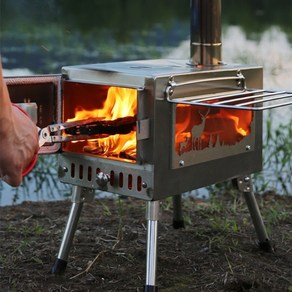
point(143, 129)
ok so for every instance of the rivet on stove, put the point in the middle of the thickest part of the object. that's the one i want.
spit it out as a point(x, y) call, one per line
point(181, 163)
point(144, 185)
point(62, 171)
point(102, 179)
point(247, 147)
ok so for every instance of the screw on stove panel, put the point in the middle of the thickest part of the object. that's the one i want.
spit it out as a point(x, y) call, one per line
point(169, 89)
point(241, 81)
point(62, 170)
point(244, 184)
point(102, 179)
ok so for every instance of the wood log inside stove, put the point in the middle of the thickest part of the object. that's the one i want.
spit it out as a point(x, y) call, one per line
point(110, 127)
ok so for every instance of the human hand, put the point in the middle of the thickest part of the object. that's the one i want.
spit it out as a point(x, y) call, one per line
point(18, 139)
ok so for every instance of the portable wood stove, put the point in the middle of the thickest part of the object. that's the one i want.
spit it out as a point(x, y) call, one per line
point(161, 128)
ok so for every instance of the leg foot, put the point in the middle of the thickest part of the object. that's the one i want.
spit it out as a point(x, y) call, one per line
point(148, 288)
point(245, 186)
point(177, 224)
point(79, 196)
point(266, 245)
point(59, 267)
point(178, 220)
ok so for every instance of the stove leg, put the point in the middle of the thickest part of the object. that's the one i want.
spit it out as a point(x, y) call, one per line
point(178, 220)
point(245, 186)
point(152, 217)
point(79, 196)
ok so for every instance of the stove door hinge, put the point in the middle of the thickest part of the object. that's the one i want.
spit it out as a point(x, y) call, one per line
point(143, 129)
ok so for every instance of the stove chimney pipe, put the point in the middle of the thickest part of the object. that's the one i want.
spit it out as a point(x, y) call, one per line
point(205, 32)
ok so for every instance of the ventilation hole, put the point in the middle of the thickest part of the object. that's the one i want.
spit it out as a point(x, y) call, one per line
point(72, 170)
point(89, 173)
point(121, 179)
point(112, 178)
point(130, 181)
point(139, 183)
point(81, 171)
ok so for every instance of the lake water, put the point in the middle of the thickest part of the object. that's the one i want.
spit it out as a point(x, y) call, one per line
point(161, 35)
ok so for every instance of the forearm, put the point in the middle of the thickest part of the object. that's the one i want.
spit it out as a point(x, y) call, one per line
point(18, 139)
point(5, 105)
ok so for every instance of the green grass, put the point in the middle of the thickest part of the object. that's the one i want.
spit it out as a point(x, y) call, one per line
point(277, 158)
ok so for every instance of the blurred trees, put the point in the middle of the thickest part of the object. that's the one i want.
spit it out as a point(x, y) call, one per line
point(124, 16)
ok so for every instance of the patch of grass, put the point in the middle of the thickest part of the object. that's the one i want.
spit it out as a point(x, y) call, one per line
point(38, 229)
point(106, 210)
point(277, 162)
point(273, 216)
point(225, 224)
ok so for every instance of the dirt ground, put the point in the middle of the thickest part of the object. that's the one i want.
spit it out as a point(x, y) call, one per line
point(216, 251)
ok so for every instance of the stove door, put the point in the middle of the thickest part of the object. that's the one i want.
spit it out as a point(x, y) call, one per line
point(40, 96)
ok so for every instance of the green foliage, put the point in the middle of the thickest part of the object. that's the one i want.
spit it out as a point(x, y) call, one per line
point(277, 158)
point(256, 16)
point(46, 35)
point(224, 224)
point(274, 215)
point(106, 209)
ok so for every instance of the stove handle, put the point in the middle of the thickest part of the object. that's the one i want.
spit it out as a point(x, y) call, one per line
point(172, 85)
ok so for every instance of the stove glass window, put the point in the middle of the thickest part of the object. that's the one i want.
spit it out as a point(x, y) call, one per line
point(200, 128)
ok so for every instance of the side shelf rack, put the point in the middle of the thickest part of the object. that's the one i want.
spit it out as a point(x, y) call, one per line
point(247, 99)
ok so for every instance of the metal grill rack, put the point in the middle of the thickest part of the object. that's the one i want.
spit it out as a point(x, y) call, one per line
point(230, 98)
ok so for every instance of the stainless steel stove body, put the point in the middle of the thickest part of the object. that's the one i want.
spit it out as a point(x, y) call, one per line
point(171, 158)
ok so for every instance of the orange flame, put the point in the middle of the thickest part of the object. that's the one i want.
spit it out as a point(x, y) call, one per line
point(120, 103)
point(198, 128)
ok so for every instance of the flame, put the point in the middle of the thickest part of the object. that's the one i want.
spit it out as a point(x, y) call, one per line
point(120, 102)
point(198, 128)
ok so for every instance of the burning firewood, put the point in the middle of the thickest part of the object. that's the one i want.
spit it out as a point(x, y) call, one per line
point(109, 127)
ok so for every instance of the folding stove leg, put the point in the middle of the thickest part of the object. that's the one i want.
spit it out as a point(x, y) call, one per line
point(178, 220)
point(79, 196)
point(245, 186)
point(152, 217)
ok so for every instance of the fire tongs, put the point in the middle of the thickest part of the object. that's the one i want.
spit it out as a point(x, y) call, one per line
point(92, 128)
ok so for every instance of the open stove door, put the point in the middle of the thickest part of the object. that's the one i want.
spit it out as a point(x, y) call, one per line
point(40, 96)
